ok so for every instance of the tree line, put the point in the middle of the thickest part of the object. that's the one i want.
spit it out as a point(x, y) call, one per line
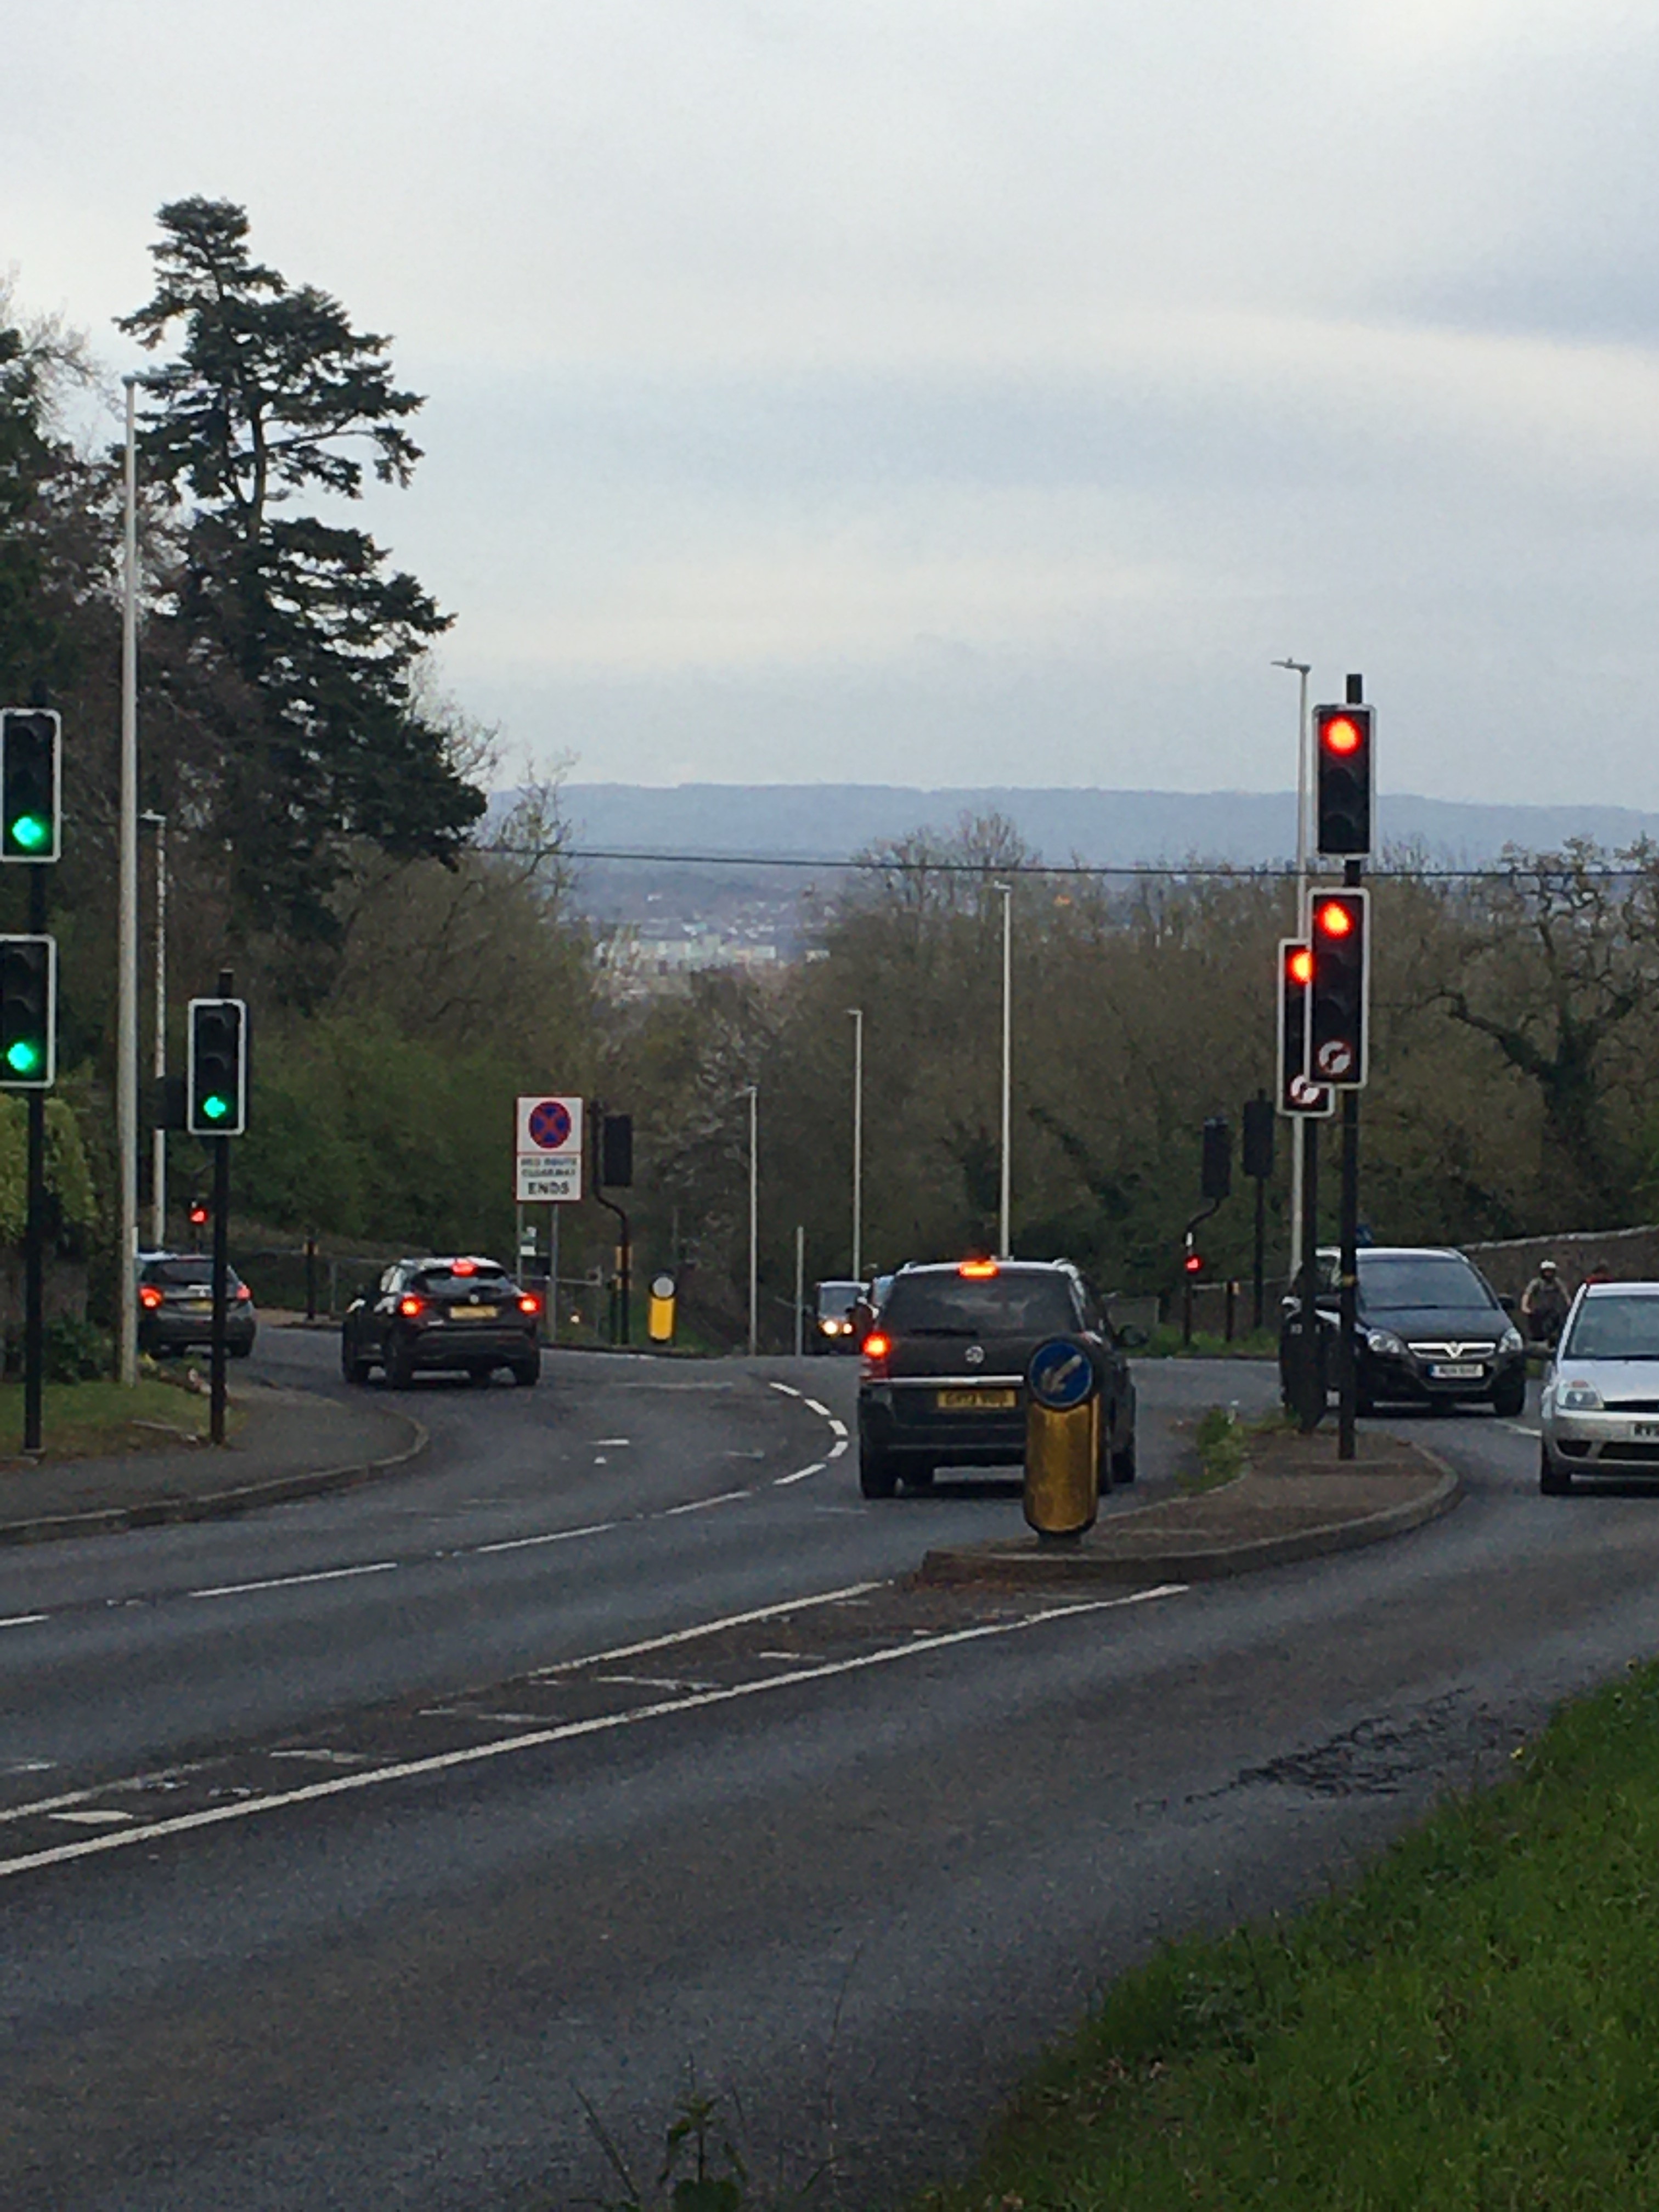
point(417, 957)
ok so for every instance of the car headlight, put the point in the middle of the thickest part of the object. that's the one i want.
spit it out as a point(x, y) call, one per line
point(1511, 1340)
point(1578, 1398)
point(1385, 1344)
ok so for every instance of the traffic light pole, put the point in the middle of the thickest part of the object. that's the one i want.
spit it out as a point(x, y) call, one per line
point(1310, 1390)
point(221, 1265)
point(1348, 1233)
point(35, 1233)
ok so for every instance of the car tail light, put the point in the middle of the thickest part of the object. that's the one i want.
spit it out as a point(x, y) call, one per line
point(149, 1297)
point(529, 1303)
point(977, 1270)
point(411, 1307)
point(243, 1291)
point(465, 1267)
point(876, 1349)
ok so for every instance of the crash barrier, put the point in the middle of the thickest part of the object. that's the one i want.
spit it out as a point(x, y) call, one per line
point(1062, 1440)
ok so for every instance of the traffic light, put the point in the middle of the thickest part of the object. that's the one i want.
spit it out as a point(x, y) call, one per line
point(1193, 1263)
point(1340, 938)
point(215, 1080)
point(28, 1012)
point(616, 1152)
point(1345, 779)
point(1297, 1092)
point(1218, 1169)
point(31, 750)
point(198, 1215)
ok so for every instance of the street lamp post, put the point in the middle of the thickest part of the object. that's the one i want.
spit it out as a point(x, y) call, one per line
point(127, 935)
point(159, 1136)
point(1007, 891)
point(1299, 1122)
point(857, 1015)
point(752, 1093)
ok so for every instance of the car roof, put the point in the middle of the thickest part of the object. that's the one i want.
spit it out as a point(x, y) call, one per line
point(1002, 1267)
point(1605, 1290)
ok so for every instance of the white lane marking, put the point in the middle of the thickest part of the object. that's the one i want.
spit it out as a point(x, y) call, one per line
point(555, 1536)
point(600, 1441)
point(1519, 1427)
point(787, 1388)
point(601, 1460)
point(816, 1408)
point(700, 1505)
point(565, 1732)
point(837, 1428)
point(708, 1628)
point(96, 1816)
point(24, 1620)
point(837, 1447)
point(287, 1582)
point(783, 1482)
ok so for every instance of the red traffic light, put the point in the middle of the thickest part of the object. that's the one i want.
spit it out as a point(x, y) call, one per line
point(1193, 1263)
point(1341, 735)
point(198, 1215)
point(1299, 965)
point(1332, 918)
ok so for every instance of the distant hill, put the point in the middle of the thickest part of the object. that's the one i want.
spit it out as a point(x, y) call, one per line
point(832, 820)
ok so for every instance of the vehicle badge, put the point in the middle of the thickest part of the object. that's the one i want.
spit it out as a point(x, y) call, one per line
point(974, 1355)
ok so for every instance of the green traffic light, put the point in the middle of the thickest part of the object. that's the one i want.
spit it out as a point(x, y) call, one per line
point(31, 831)
point(23, 1057)
point(216, 1108)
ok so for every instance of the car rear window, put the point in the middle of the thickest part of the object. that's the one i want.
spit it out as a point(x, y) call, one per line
point(961, 1305)
point(485, 1279)
point(1424, 1280)
point(1615, 1329)
point(184, 1274)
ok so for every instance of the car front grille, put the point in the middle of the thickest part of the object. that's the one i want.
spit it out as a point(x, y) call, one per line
point(1455, 1351)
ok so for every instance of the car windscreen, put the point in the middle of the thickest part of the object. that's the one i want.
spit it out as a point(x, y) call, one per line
point(962, 1305)
point(1398, 1281)
point(838, 1299)
point(1622, 1328)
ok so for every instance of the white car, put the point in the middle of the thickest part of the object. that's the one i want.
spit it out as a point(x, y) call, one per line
point(1601, 1401)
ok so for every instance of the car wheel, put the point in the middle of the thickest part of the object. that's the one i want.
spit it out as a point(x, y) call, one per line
point(877, 1476)
point(399, 1365)
point(1123, 1462)
point(1554, 1481)
point(527, 1373)
point(919, 1479)
point(1509, 1399)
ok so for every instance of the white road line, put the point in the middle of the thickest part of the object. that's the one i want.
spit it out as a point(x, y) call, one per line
point(700, 1505)
point(783, 1482)
point(287, 1582)
point(600, 1442)
point(24, 1620)
point(556, 1536)
point(838, 1448)
point(567, 1732)
point(837, 1428)
point(1519, 1427)
point(709, 1628)
point(787, 1388)
point(816, 1408)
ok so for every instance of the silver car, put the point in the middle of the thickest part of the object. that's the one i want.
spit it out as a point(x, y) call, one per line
point(1601, 1402)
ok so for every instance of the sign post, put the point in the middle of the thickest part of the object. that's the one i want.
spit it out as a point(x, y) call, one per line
point(548, 1170)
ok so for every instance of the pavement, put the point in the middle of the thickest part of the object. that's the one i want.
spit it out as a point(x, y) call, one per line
point(1295, 1500)
point(287, 1444)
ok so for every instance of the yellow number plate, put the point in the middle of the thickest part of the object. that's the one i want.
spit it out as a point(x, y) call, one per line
point(199, 1305)
point(976, 1402)
point(473, 1313)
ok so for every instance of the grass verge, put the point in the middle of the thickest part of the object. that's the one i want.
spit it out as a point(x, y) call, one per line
point(1475, 2024)
point(86, 1420)
point(1222, 1443)
point(1164, 1343)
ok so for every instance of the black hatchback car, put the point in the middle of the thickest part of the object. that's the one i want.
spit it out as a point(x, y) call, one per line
point(175, 1305)
point(465, 1315)
point(1430, 1330)
point(944, 1377)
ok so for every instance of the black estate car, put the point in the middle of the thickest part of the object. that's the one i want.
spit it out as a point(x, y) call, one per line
point(175, 1305)
point(1430, 1330)
point(944, 1379)
point(466, 1314)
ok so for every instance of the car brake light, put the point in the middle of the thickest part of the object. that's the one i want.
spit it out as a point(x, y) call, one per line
point(977, 1270)
point(876, 1349)
point(465, 1267)
point(149, 1297)
point(243, 1291)
point(411, 1306)
point(529, 1303)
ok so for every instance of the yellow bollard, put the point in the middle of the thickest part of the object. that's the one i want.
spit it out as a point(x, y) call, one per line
point(659, 1313)
point(1062, 1440)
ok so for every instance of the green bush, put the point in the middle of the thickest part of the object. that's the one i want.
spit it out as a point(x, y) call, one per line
point(75, 1352)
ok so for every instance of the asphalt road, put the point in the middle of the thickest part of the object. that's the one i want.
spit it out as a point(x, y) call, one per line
point(347, 1849)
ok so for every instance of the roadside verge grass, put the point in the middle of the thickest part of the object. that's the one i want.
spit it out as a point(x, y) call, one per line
point(1475, 2024)
point(83, 1420)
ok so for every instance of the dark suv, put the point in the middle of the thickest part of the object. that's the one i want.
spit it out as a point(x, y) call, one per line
point(1430, 1330)
point(944, 1380)
point(464, 1314)
point(175, 1305)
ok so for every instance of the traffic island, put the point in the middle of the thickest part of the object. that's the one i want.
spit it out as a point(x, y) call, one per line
point(1295, 1500)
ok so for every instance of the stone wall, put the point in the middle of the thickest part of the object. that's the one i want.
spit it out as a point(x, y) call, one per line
point(1630, 1255)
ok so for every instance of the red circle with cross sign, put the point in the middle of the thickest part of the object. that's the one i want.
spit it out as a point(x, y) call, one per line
point(550, 1124)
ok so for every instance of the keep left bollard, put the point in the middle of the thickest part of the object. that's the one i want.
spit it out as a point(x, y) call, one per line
point(1062, 1440)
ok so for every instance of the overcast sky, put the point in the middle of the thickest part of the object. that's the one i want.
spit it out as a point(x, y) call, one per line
point(934, 392)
